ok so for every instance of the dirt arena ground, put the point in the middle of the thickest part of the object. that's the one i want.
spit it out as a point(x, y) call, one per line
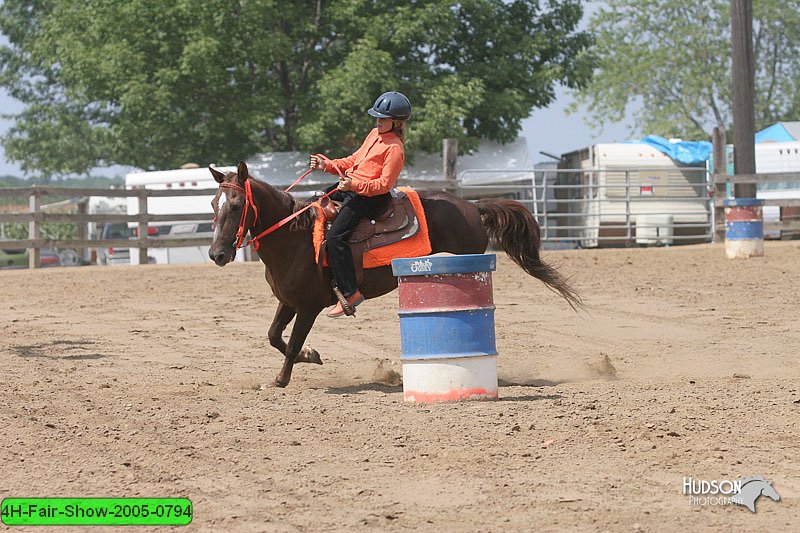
point(142, 381)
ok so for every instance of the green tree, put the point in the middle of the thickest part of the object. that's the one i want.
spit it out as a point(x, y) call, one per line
point(672, 61)
point(157, 84)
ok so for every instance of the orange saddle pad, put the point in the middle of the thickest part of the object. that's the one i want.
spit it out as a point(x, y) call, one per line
point(416, 246)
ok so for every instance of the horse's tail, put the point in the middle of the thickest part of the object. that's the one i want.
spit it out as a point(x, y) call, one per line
point(510, 224)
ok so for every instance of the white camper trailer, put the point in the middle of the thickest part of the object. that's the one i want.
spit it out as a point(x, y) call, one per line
point(191, 178)
point(613, 193)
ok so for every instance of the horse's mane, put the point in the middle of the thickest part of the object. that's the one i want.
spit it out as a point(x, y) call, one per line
point(303, 221)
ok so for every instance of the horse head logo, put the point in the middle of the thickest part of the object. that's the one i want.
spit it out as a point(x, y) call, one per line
point(752, 488)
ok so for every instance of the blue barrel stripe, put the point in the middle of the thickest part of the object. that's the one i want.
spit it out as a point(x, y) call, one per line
point(744, 230)
point(444, 264)
point(447, 334)
point(742, 202)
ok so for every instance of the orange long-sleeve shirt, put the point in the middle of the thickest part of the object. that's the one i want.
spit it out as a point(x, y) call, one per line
point(375, 167)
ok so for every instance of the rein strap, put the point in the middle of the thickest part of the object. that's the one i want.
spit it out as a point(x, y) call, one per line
point(255, 241)
point(248, 197)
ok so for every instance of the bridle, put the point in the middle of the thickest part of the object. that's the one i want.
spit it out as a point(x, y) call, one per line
point(250, 204)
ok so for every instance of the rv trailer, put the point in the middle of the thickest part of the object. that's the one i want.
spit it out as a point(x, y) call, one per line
point(615, 194)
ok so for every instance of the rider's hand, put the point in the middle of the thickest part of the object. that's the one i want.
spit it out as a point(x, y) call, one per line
point(345, 184)
point(316, 163)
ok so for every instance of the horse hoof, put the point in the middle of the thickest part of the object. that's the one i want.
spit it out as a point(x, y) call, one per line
point(272, 385)
point(309, 355)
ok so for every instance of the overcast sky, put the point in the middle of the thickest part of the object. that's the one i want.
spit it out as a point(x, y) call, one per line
point(7, 105)
point(550, 130)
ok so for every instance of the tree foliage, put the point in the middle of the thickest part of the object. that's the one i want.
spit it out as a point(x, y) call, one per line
point(157, 84)
point(674, 59)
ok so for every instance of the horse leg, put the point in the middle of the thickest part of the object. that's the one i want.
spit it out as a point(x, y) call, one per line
point(283, 316)
point(294, 347)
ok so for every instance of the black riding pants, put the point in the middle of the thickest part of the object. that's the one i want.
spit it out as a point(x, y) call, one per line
point(354, 208)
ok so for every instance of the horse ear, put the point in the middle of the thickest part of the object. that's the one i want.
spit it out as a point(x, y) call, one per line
point(242, 173)
point(218, 176)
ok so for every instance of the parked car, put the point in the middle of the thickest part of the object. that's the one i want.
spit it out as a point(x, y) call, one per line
point(181, 254)
point(120, 256)
point(114, 256)
point(18, 258)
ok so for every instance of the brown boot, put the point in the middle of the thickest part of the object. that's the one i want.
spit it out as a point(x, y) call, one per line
point(353, 300)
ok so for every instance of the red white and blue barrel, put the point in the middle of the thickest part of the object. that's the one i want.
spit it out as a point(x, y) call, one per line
point(447, 327)
point(744, 227)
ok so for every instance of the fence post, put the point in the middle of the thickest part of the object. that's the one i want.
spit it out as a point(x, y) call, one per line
point(629, 237)
point(449, 158)
point(34, 207)
point(142, 226)
point(719, 142)
point(81, 229)
point(546, 227)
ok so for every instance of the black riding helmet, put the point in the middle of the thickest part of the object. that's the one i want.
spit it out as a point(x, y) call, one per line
point(391, 105)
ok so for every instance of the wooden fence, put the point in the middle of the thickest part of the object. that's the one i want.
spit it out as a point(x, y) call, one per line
point(36, 216)
point(789, 223)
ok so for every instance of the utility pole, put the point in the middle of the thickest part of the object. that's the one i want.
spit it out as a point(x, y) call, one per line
point(449, 158)
point(743, 76)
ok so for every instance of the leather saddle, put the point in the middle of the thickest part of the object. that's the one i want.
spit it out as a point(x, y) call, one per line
point(396, 223)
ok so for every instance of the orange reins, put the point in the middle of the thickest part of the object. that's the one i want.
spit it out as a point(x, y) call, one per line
point(248, 194)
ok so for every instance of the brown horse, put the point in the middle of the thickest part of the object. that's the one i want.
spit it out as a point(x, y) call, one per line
point(455, 225)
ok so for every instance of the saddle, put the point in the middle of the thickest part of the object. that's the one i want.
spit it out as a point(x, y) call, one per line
point(396, 223)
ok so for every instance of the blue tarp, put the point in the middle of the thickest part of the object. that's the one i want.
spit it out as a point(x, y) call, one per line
point(776, 133)
point(686, 152)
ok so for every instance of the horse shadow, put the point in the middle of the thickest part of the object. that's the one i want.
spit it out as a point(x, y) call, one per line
point(55, 350)
point(528, 383)
point(388, 389)
point(530, 397)
point(363, 387)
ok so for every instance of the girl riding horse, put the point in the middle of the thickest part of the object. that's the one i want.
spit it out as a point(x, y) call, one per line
point(369, 175)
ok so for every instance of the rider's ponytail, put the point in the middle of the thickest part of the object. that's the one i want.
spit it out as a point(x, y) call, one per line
point(400, 128)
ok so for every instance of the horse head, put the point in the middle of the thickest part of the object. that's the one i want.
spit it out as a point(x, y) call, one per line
point(232, 214)
point(769, 491)
point(752, 488)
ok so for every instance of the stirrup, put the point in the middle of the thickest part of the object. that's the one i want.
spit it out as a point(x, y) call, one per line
point(345, 306)
point(349, 310)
